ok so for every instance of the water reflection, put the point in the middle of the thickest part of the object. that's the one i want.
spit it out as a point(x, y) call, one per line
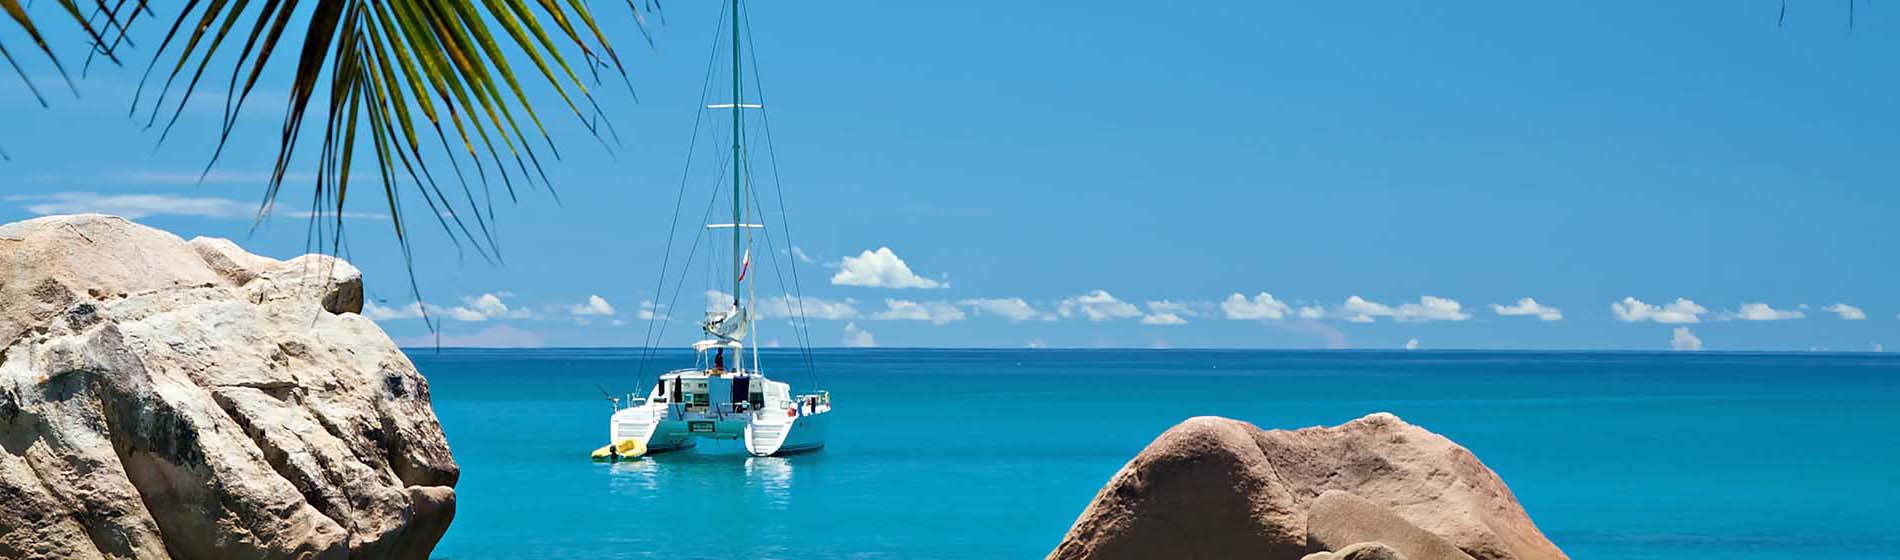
point(773, 476)
point(764, 482)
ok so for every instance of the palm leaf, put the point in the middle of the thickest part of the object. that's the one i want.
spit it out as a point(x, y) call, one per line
point(391, 70)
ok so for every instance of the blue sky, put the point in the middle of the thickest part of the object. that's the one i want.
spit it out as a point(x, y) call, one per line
point(1132, 175)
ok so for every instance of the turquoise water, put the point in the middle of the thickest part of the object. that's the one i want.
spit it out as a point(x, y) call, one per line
point(992, 453)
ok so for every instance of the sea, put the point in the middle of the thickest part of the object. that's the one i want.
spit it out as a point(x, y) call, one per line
point(993, 453)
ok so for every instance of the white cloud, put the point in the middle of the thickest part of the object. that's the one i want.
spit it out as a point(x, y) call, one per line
point(1847, 312)
point(1262, 306)
point(1632, 310)
point(595, 305)
point(137, 206)
point(937, 312)
point(1162, 319)
point(1312, 312)
point(1528, 306)
point(1428, 308)
point(855, 337)
point(1014, 309)
point(880, 269)
point(1763, 312)
point(1684, 340)
point(379, 313)
point(788, 307)
point(1167, 313)
point(1097, 305)
point(482, 308)
point(801, 255)
point(134, 206)
point(651, 311)
point(1411, 344)
point(1037, 343)
point(488, 305)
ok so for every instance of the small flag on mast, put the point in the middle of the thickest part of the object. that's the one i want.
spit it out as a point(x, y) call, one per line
point(745, 264)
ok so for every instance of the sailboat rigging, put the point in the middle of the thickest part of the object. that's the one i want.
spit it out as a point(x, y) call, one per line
point(720, 397)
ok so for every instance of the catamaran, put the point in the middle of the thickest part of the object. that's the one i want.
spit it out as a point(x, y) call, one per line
point(723, 396)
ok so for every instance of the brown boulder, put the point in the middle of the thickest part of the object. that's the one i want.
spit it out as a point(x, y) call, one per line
point(1220, 488)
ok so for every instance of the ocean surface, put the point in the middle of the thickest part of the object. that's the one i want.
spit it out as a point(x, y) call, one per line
point(993, 453)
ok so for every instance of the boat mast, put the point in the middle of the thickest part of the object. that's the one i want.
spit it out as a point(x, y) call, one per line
point(738, 182)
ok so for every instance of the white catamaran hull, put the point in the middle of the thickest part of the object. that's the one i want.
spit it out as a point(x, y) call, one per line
point(659, 429)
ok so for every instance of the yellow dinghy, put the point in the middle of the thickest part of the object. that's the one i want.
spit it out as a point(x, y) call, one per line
point(624, 449)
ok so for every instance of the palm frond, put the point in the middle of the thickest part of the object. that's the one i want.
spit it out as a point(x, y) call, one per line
point(397, 76)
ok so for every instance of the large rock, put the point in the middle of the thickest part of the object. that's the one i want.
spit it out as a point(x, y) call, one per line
point(1220, 488)
point(160, 398)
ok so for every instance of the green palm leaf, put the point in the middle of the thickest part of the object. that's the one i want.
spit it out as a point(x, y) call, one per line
point(395, 72)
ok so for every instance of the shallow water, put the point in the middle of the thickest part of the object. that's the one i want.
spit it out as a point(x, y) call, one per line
point(992, 453)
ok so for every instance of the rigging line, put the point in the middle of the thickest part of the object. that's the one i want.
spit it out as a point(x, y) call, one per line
point(672, 229)
point(801, 333)
point(679, 286)
point(779, 272)
point(765, 121)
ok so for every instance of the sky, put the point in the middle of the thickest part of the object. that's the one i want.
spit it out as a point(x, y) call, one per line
point(1481, 175)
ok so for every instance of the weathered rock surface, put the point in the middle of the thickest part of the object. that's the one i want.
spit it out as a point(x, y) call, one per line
point(165, 399)
point(1338, 519)
point(1359, 551)
point(1220, 488)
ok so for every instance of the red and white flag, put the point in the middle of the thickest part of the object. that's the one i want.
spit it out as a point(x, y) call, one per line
point(745, 264)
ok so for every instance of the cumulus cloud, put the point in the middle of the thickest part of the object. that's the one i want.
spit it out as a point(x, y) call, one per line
point(651, 311)
point(1167, 313)
point(1261, 306)
point(1097, 305)
point(1763, 312)
point(484, 307)
point(1429, 308)
point(855, 337)
point(1683, 340)
point(1411, 344)
point(1528, 306)
point(379, 313)
point(880, 269)
point(1632, 310)
point(937, 312)
point(788, 307)
point(1312, 312)
point(473, 309)
point(1847, 312)
point(595, 305)
point(1014, 309)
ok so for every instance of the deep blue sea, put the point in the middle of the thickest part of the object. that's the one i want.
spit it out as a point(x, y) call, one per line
point(992, 453)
